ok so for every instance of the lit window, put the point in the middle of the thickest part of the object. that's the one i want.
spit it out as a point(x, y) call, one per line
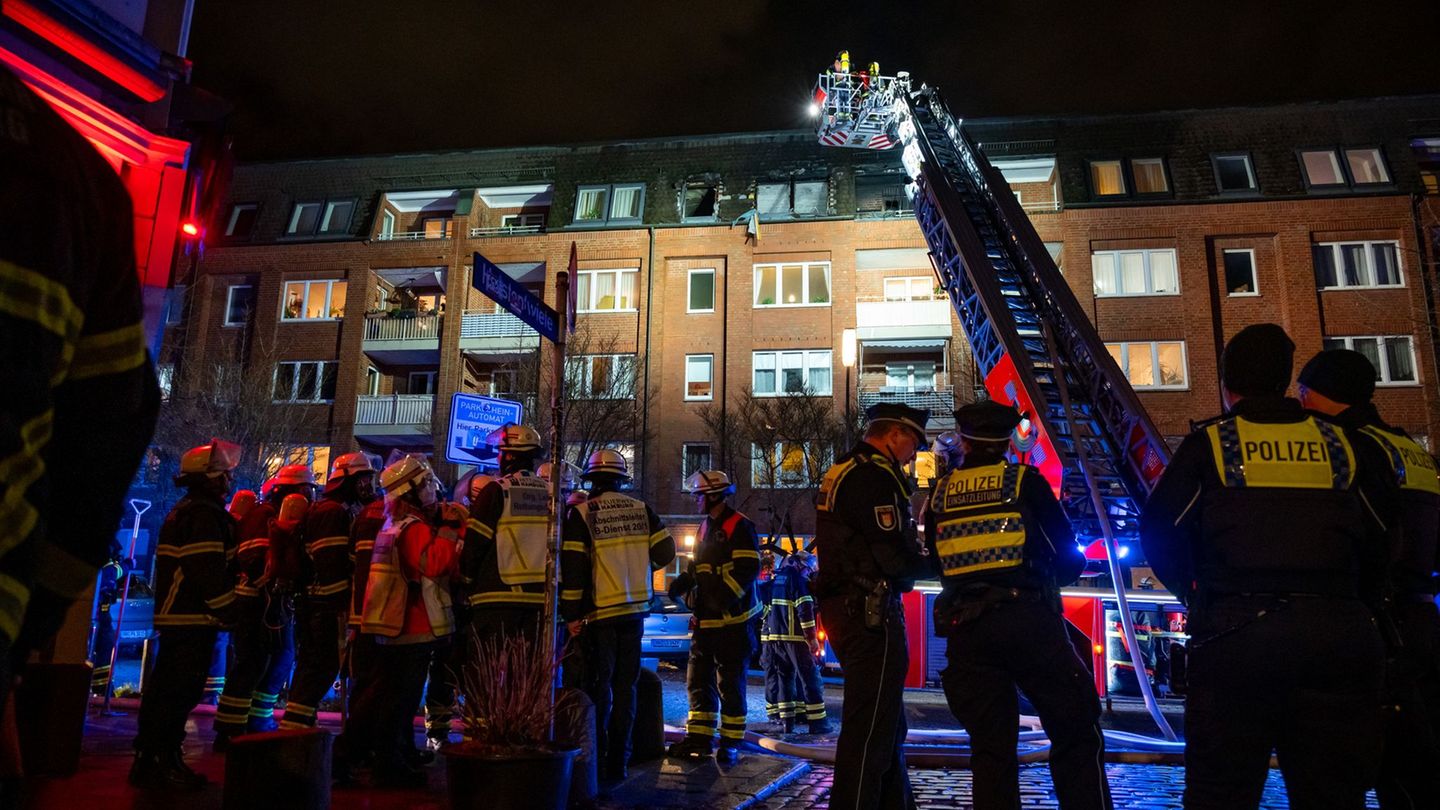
point(600, 376)
point(1149, 175)
point(1240, 272)
point(316, 457)
point(791, 372)
point(435, 227)
point(1234, 173)
point(606, 290)
point(792, 285)
point(701, 297)
point(1151, 365)
point(313, 301)
point(621, 203)
point(242, 220)
point(1392, 356)
point(239, 303)
point(699, 376)
point(1106, 178)
point(1322, 168)
point(1135, 272)
point(1366, 167)
point(304, 382)
point(788, 465)
point(799, 198)
point(1357, 264)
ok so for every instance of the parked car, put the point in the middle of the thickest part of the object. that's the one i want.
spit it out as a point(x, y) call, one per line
point(667, 630)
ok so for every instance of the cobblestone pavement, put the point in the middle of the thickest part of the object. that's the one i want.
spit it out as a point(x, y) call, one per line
point(1133, 787)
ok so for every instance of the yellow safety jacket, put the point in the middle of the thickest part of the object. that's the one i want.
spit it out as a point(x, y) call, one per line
point(1416, 531)
point(979, 524)
point(386, 588)
point(520, 536)
point(610, 565)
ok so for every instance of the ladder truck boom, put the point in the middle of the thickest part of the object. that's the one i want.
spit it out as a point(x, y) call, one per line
point(1031, 339)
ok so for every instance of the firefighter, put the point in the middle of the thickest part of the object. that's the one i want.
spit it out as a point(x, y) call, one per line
point(324, 585)
point(1338, 384)
point(195, 596)
point(1263, 525)
point(790, 630)
point(359, 661)
point(1003, 547)
point(264, 638)
point(81, 398)
point(613, 544)
point(719, 585)
point(408, 608)
point(869, 554)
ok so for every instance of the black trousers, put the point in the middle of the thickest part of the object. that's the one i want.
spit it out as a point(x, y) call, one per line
point(385, 703)
point(177, 683)
point(869, 755)
point(1410, 770)
point(1025, 645)
point(607, 670)
point(319, 635)
point(1303, 680)
point(260, 663)
point(715, 680)
point(802, 695)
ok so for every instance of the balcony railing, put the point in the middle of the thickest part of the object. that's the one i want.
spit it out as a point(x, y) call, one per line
point(940, 399)
point(396, 409)
point(420, 327)
point(923, 312)
point(1040, 206)
point(476, 324)
point(505, 230)
point(411, 236)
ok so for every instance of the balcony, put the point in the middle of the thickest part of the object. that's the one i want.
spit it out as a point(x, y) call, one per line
point(493, 333)
point(411, 236)
point(940, 401)
point(506, 230)
point(922, 318)
point(403, 341)
point(396, 419)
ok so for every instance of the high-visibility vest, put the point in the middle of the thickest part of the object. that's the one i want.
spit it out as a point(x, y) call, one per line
point(1414, 467)
point(1417, 529)
point(520, 536)
point(386, 588)
point(1309, 454)
point(620, 550)
point(979, 525)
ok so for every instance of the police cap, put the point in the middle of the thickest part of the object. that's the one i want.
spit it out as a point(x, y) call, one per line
point(1344, 375)
point(1258, 361)
point(912, 418)
point(987, 421)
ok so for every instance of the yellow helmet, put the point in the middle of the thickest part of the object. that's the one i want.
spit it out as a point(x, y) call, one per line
point(403, 476)
point(210, 460)
point(513, 438)
point(710, 482)
point(844, 59)
point(606, 462)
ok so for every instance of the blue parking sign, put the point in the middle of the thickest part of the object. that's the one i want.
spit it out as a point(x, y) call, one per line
point(472, 417)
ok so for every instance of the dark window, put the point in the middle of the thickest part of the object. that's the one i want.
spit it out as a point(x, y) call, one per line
point(702, 291)
point(1240, 272)
point(337, 217)
point(1234, 173)
point(700, 202)
point(880, 194)
point(697, 458)
point(240, 302)
point(242, 220)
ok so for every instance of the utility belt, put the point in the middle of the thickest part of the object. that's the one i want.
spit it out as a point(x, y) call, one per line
point(965, 604)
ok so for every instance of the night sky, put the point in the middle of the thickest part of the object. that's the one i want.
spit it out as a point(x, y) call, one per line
point(311, 78)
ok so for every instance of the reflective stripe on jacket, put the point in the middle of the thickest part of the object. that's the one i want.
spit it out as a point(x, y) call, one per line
point(979, 525)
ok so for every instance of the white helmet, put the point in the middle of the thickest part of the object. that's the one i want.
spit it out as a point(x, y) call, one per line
point(710, 482)
point(605, 462)
point(350, 464)
point(407, 474)
point(295, 475)
point(568, 473)
point(514, 438)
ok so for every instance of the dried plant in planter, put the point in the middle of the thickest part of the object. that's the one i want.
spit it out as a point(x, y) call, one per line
point(505, 690)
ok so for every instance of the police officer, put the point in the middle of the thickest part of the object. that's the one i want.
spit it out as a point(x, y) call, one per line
point(320, 609)
point(790, 632)
point(1003, 546)
point(869, 554)
point(1338, 384)
point(613, 544)
point(1262, 524)
point(720, 587)
point(195, 596)
point(263, 641)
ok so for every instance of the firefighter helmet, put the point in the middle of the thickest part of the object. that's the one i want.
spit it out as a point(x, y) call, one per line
point(710, 482)
point(292, 510)
point(514, 438)
point(295, 475)
point(242, 503)
point(350, 464)
point(403, 476)
point(210, 460)
point(567, 477)
point(605, 462)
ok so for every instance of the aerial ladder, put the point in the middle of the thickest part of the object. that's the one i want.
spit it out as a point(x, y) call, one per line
point(1033, 343)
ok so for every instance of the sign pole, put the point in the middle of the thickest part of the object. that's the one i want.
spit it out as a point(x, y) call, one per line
point(140, 507)
point(557, 474)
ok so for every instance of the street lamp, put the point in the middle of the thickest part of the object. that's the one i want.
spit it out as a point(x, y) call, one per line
point(847, 359)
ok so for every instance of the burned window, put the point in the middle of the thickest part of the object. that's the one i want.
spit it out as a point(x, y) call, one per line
point(878, 195)
point(699, 201)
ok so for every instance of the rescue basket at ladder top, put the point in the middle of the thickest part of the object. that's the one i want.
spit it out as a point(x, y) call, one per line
point(853, 108)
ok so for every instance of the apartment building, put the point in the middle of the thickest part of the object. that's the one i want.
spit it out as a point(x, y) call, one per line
point(347, 282)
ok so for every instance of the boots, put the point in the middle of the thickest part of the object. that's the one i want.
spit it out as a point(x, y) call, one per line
point(787, 725)
point(260, 725)
point(728, 752)
point(165, 772)
point(821, 726)
point(692, 747)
